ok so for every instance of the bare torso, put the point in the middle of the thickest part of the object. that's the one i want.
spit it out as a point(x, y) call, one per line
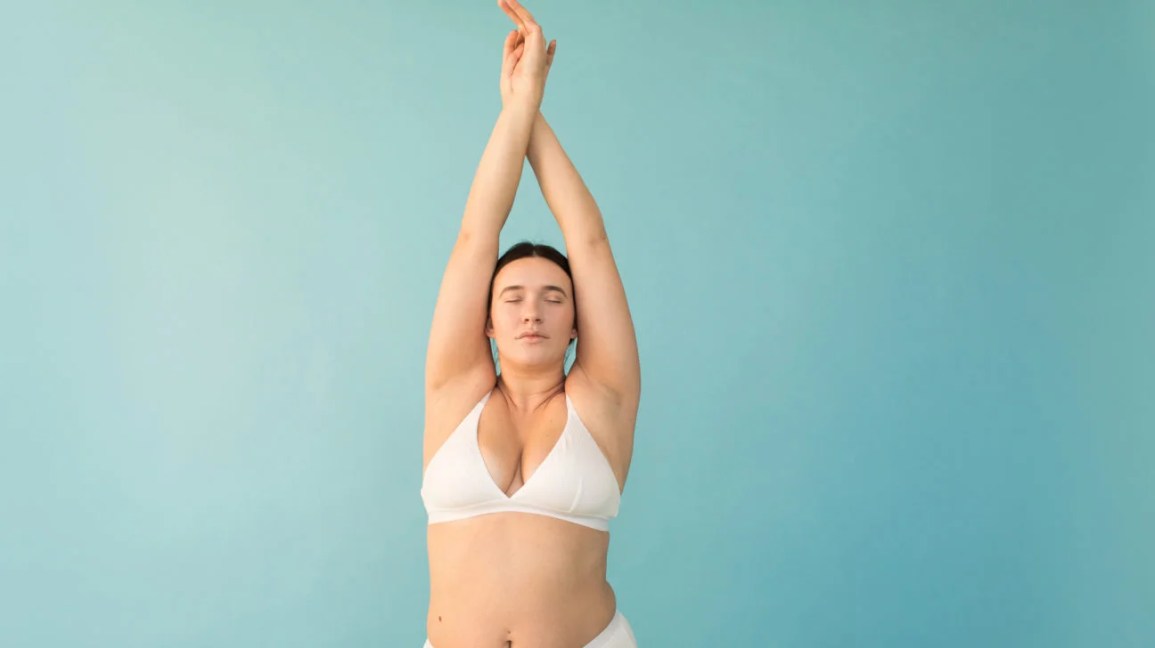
point(516, 579)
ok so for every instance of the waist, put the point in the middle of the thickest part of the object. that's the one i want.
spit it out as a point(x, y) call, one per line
point(496, 607)
point(488, 613)
point(514, 554)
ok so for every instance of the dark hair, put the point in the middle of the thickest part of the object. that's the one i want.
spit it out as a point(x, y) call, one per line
point(529, 249)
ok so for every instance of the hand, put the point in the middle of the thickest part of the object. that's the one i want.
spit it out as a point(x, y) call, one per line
point(526, 60)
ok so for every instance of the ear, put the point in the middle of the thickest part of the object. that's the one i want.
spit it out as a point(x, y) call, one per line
point(489, 327)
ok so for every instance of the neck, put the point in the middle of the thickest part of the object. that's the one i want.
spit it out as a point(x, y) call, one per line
point(528, 389)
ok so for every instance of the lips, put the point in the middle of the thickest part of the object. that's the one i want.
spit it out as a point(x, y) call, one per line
point(531, 336)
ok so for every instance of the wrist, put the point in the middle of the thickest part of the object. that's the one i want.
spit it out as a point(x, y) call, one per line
point(522, 109)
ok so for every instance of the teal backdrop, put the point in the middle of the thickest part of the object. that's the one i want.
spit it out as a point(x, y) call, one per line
point(890, 264)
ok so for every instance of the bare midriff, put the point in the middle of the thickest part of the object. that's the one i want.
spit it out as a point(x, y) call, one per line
point(510, 580)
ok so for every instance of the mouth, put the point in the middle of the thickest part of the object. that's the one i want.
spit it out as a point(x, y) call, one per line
point(532, 337)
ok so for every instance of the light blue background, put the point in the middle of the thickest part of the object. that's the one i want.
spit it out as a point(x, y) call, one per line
point(890, 265)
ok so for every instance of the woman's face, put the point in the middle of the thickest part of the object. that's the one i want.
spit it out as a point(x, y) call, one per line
point(531, 314)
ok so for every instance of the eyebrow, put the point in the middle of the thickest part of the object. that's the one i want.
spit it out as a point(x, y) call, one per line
point(544, 289)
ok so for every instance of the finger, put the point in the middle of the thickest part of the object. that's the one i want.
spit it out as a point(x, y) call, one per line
point(508, 60)
point(517, 40)
point(520, 9)
point(549, 53)
point(506, 54)
point(526, 18)
point(510, 42)
point(513, 39)
point(512, 14)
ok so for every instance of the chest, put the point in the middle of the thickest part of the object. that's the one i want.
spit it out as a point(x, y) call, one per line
point(514, 446)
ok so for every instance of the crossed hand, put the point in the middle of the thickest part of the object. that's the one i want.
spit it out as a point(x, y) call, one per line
point(525, 60)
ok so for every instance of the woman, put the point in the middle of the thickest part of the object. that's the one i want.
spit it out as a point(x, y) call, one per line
point(524, 469)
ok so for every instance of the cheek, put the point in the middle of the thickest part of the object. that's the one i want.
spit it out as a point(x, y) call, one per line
point(566, 320)
point(504, 320)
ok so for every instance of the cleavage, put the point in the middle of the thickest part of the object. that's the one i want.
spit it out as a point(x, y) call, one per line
point(512, 453)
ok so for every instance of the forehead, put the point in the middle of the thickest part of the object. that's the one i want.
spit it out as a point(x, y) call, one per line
point(531, 272)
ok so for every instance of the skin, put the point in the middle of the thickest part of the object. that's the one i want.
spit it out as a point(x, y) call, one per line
point(518, 579)
point(532, 295)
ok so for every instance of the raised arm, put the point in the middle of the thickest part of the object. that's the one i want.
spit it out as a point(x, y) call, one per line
point(458, 346)
point(607, 349)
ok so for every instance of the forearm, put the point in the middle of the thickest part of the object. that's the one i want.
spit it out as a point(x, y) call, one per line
point(562, 187)
point(499, 172)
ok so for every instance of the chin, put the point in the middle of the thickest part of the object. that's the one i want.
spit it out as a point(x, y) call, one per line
point(537, 358)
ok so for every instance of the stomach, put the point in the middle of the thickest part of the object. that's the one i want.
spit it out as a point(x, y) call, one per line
point(517, 580)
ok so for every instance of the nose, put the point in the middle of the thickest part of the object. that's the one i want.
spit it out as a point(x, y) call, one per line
point(531, 313)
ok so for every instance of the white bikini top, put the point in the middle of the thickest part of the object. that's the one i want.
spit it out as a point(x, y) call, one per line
point(574, 482)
